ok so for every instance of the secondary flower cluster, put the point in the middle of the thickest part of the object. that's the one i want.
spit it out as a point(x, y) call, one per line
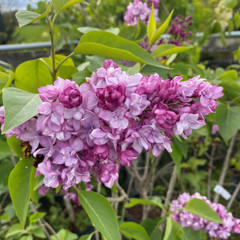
point(140, 10)
point(108, 121)
point(214, 230)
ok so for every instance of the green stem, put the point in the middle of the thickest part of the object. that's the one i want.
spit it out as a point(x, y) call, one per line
point(51, 30)
point(64, 60)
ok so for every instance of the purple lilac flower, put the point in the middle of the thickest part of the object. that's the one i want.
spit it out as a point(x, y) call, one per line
point(214, 230)
point(92, 129)
point(140, 10)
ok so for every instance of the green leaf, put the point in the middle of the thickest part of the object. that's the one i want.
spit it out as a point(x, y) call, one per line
point(200, 208)
point(31, 75)
point(173, 230)
point(151, 26)
point(39, 182)
point(39, 232)
point(70, 3)
point(26, 17)
point(134, 230)
point(4, 150)
point(176, 157)
point(87, 237)
point(230, 75)
point(36, 216)
point(65, 234)
point(6, 82)
point(19, 188)
point(135, 201)
point(190, 234)
point(227, 118)
point(19, 107)
point(14, 230)
point(182, 146)
point(33, 181)
point(167, 49)
point(100, 213)
point(231, 3)
point(58, 4)
point(5, 169)
point(14, 144)
point(109, 45)
point(29, 237)
point(162, 28)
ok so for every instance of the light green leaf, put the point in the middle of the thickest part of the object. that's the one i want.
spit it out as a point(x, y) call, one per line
point(151, 26)
point(100, 213)
point(29, 237)
point(14, 230)
point(39, 232)
point(167, 49)
point(19, 106)
point(31, 75)
point(58, 4)
point(173, 230)
point(36, 216)
point(227, 118)
point(231, 3)
point(134, 230)
point(26, 17)
point(19, 188)
point(200, 208)
point(162, 28)
point(39, 182)
point(109, 45)
point(7, 80)
point(230, 75)
point(65, 234)
point(70, 3)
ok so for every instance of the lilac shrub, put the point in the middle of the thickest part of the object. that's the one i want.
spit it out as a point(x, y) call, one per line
point(214, 230)
point(92, 129)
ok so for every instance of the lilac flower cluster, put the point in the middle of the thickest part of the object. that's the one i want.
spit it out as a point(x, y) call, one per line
point(108, 121)
point(140, 10)
point(214, 230)
point(178, 30)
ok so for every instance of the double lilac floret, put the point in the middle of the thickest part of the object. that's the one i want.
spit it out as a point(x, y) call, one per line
point(92, 129)
point(214, 230)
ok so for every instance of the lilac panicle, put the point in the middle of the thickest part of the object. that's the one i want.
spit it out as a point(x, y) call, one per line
point(93, 129)
point(214, 230)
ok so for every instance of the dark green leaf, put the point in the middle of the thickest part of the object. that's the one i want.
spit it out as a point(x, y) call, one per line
point(109, 45)
point(4, 150)
point(134, 230)
point(19, 106)
point(31, 75)
point(101, 213)
point(19, 188)
point(14, 144)
point(200, 208)
point(231, 3)
point(190, 234)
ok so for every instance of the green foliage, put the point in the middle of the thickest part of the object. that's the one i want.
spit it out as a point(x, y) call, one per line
point(134, 230)
point(31, 75)
point(227, 118)
point(109, 45)
point(202, 209)
point(19, 188)
point(65, 234)
point(173, 230)
point(20, 106)
point(151, 26)
point(101, 214)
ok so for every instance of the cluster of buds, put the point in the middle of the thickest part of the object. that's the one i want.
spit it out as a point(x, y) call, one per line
point(214, 230)
point(178, 30)
point(92, 129)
